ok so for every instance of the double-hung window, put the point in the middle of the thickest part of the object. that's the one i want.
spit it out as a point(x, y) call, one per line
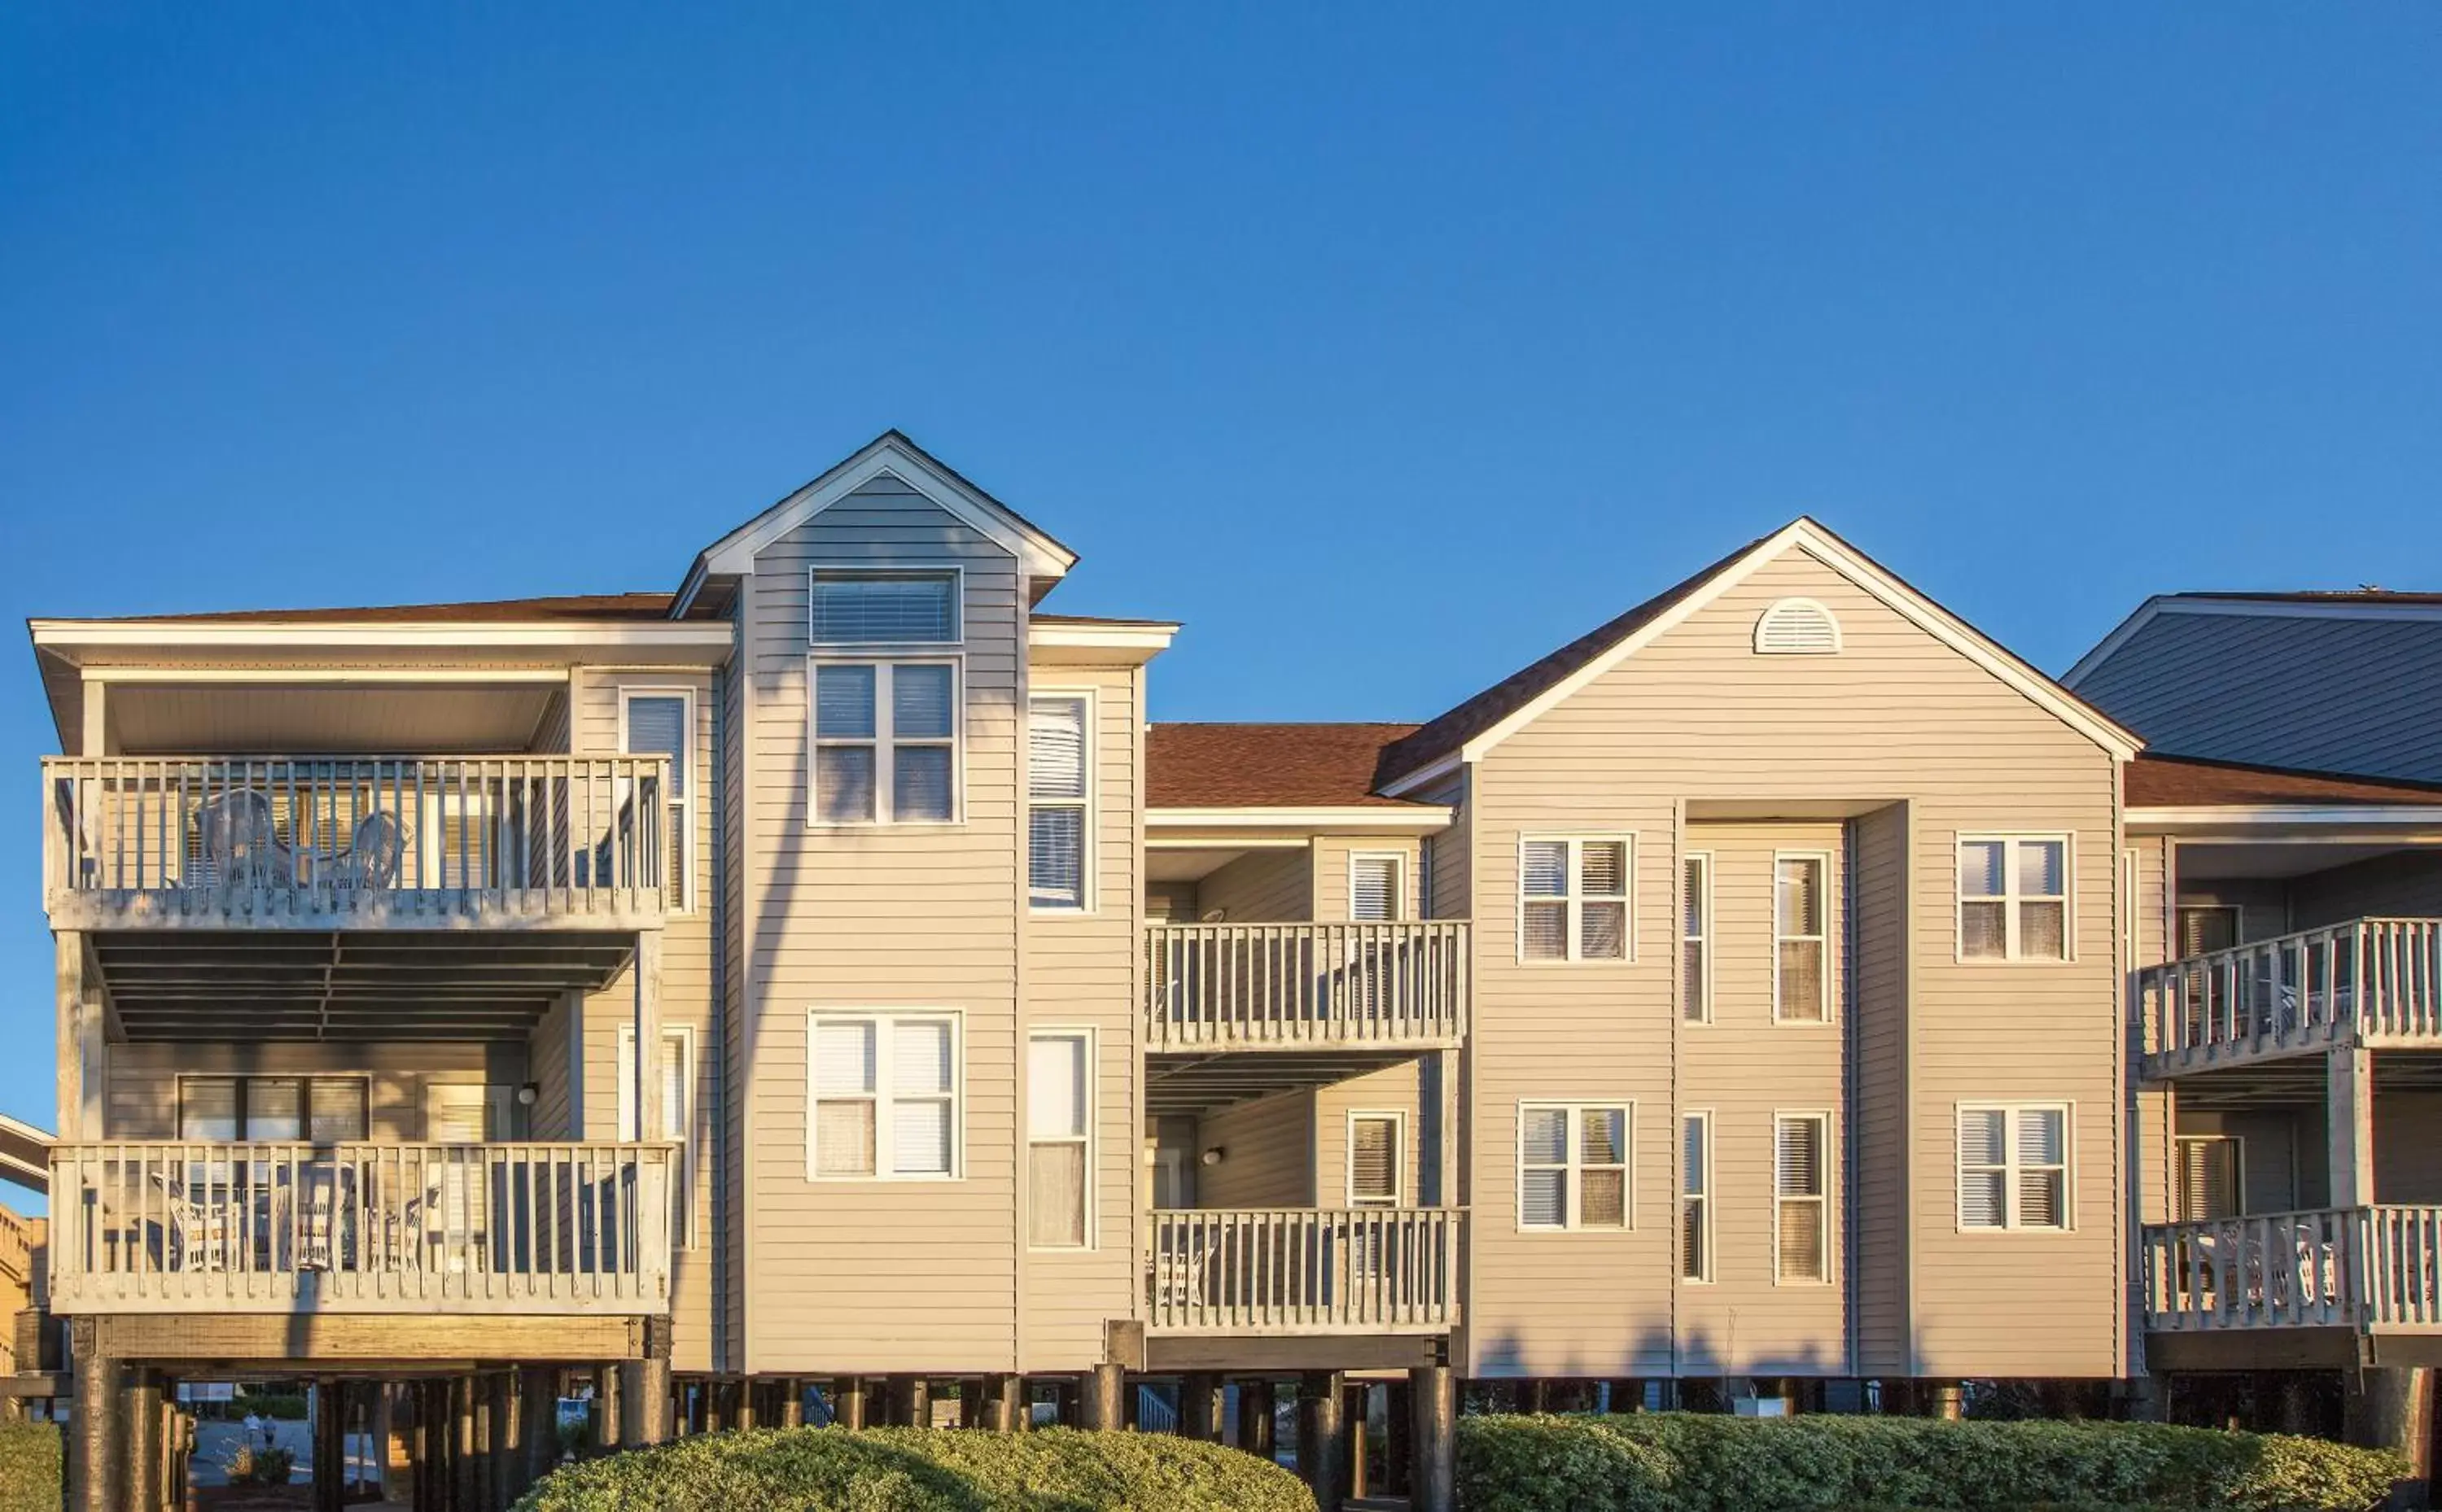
point(1573, 900)
point(1801, 1162)
point(884, 1089)
point(1801, 986)
point(2014, 898)
point(1696, 1197)
point(1058, 1103)
point(1376, 1159)
point(885, 742)
point(2013, 1166)
point(653, 722)
point(677, 1071)
point(1058, 817)
point(1696, 939)
point(1375, 887)
point(1573, 1165)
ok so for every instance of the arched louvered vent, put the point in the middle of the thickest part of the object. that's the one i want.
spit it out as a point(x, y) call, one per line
point(1797, 626)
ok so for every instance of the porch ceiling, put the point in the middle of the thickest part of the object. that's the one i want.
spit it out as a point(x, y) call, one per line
point(363, 985)
point(2302, 1080)
point(1186, 1085)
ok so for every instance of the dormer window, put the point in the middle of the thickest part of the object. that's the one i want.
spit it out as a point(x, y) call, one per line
point(861, 606)
point(1797, 626)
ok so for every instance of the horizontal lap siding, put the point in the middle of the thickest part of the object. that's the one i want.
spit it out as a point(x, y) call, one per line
point(1396, 1090)
point(1081, 972)
point(1264, 887)
point(1879, 1032)
point(547, 1055)
point(1267, 1154)
point(878, 1275)
point(1696, 716)
point(2408, 885)
point(1332, 855)
point(2407, 1131)
point(2149, 927)
point(728, 734)
point(143, 1078)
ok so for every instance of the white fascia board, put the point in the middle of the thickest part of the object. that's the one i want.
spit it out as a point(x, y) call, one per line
point(1117, 645)
point(1355, 819)
point(735, 553)
point(68, 635)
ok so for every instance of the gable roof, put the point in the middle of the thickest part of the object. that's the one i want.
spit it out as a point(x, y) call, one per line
point(1467, 731)
point(1267, 766)
point(891, 454)
point(2184, 782)
point(489, 611)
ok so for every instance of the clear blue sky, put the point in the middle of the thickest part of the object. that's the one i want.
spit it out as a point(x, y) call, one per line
point(1387, 346)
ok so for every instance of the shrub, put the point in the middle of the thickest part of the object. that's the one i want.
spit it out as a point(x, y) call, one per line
point(830, 1469)
point(1685, 1461)
point(29, 1467)
point(253, 1464)
point(287, 1406)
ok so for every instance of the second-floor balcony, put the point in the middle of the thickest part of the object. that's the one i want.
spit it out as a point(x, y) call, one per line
point(418, 842)
point(1305, 986)
point(360, 1227)
point(1303, 1271)
point(2376, 982)
point(2366, 1270)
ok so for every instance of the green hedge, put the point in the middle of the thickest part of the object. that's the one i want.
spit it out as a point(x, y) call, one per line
point(908, 1469)
point(30, 1468)
point(1688, 1462)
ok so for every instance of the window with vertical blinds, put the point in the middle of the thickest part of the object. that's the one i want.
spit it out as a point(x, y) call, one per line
point(1058, 757)
point(884, 1091)
point(1374, 887)
point(658, 724)
point(1573, 900)
point(1059, 1101)
point(1803, 1215)
point(1374, 1159)
point(1801, 986)
point(1573, 1166)
point(1696, 1197)
point(854, 606)
point(885, 742)
point(2013, 1166)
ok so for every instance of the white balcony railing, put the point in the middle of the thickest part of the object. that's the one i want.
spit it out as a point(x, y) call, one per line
point(2355, 1268)
point(1304, 986)
point(410, 842)
point(1290, 1271)
point(2375, 979)
point(360, 1227)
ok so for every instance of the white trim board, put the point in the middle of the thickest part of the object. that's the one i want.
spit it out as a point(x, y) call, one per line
point(1355, 819)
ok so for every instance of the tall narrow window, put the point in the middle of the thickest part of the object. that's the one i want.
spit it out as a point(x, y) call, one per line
point(848, 606)
point(1374, 1160)
point(1696, 939)
point(2212, 1177)
point(1800, 983)
point(1057, 825)
point(1573, 900)
point(886, 742)
point(676, 1073)
point(1059, 1102)
point(1802, 1213)
point(658, 724)
point(2013, 1167)
point(885, 1088)
point(1374, 887)
point(1696, 1197)
point(1573, 1166)
point(2014, 898)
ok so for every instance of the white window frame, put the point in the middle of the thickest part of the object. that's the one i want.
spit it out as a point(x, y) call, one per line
point(884, 1047)
point(2237, 1144)
point(683, 802)
point(841, 572)
point(1702, 861)
point(1824, 1201)
point(2009, 898)
point(1828, 1000)
point(883, 743)
point(1398, 860)
point(2011, 1166)
point(1573, 1183)
point(1088, 896)
point(1092, 1141)
point(683, 1174)
point(1704, 1218)
point(1398, 1121)
point(1575, 900)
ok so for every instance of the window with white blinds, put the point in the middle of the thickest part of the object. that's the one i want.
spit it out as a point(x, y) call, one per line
point(853, 607)
point(884, 1091)
point(1696, 1197)
point(1059, 1105)
point(1573, 1165)
point(1374, 887)
point(1059, 768)
point(1801, 987)
point(2013, 1166)
point(2014, 898)
point(322, 1109)
point(676, 1073)
point(2211, 1176)
point(1696, 939)
point(1801, 1196)
point(1376, 1159)
point(886, 744)
point(658, 724)
point(1573, 899)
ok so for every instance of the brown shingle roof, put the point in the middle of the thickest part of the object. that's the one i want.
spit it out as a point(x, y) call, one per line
point(1267, 766)
point(2186, 782)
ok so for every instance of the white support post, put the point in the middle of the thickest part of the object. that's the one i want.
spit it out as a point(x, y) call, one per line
point(2348, 1124)
point(646, 1069)
point(97, 719)
point(81, 1052)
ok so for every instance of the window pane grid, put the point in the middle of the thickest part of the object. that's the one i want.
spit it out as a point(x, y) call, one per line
point(1695, 938)
point(1573, 900)
point(886, 742)
point(1695, 1197)
point(885, 1096)
point(2013, 900)
point(1573, 1166)
point(1801, 978)
point(1801, 1196)
point(2013, 1167)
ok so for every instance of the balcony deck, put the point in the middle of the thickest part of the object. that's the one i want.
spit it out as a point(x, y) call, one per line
point(2362, 1269)
point(530, 1228)
point(1305, 987)
point(356, 843)
point(2372, 982)
point(1274, 1271)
